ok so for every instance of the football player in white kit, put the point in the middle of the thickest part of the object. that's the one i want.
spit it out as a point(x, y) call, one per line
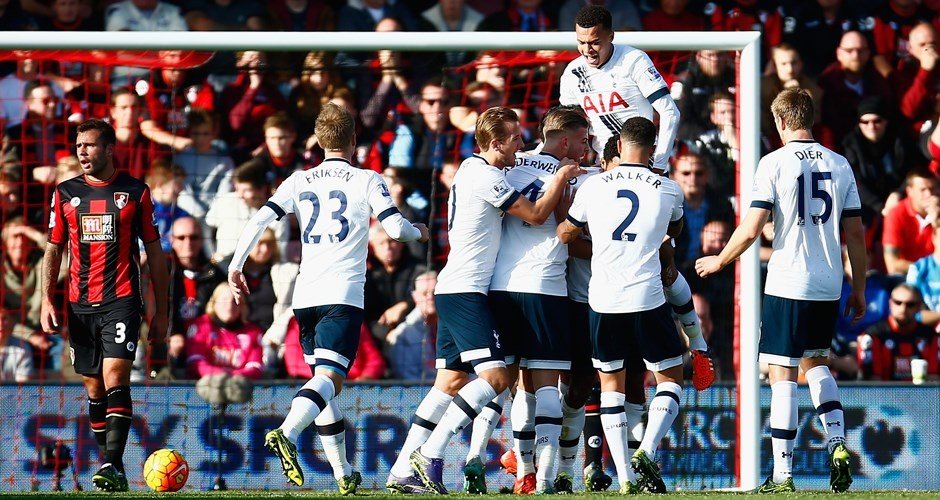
point(334, 203)
point(612, 83)
point(467, 338)
point(811, 193)
point(528, 296)
point(630, 209)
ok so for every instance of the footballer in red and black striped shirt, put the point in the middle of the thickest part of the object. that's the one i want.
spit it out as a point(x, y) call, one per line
point(100, 216)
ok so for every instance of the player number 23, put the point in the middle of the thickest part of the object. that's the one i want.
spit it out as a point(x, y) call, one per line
point(306, 237)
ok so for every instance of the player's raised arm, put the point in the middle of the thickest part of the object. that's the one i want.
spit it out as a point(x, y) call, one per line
point(744, 236)
point(385, 211)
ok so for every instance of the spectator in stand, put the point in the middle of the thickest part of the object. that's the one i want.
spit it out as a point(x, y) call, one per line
point(411, 349)
point(711, 72)
point(931, 141)
point(223, 339)
point(439, 246)
point(916, 80)
point(16, 356)
point(788, 73)
point(21, 265)
point(11, 189)
point(886, 349)
point(279, 154)
point(453, 15)
point(520, 15)
point(815, 27)
point(718, 290)
point(881, 155)
point(170, 203)
point(394, 94)
point(924, 275)
point(193, 278)
point(272, 284)
point(747, 15)
point(908, 231)
point(844, 348)
point(301, 15)
point(67, 16)
point(169, 99)
point(43, 132)
point(140, 15)
point(389, 282)
point(133, 152)
point(208, 168)
point(410, 201)
point(702, 205)
point(14, 18)
point(368, 365)
point(367, 14)
point(319, 82)
point(624, 13)
point(845, 83)
point(893, 23)
point(225, 15)
point(229, 213)
point(718, 144)
point(673, 15)
point(249, 101)
point(429, 137)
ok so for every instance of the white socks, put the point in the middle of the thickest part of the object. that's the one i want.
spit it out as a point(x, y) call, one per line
point(461, 411)
point(484, 425)
point(522, 418)
point(825, 396)
point(679, 296)
point(617, 433)
point(310, 400)
point(548, 420)
point(664, 407)
point(634, 412)
point(783, 415)
point(332, 431)
point(572, 424)
point(426, 418)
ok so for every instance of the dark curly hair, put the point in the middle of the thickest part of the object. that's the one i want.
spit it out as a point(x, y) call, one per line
point(594, 15)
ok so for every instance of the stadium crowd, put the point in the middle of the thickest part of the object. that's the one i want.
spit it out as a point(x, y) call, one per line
point(213, 141)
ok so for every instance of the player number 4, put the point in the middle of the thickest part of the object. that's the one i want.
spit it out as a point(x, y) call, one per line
point(818, 193)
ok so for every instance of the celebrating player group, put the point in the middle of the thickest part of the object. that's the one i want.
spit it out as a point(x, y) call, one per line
point(559, 287)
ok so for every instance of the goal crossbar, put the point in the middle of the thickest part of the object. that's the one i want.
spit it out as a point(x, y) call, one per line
point(747, 42)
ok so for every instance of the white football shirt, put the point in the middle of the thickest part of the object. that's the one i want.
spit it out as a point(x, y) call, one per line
point(334, 203)
point(810, 189)
point(531, 258)
point(478, 197)
point(628, 209)
point(579, 270)
point(624, 87)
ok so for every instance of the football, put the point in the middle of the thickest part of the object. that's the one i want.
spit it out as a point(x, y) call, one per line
point(165, 470)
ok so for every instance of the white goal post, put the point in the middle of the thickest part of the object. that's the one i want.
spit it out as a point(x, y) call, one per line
point(747, 42)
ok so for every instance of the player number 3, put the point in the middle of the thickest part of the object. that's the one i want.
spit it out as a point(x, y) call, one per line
point(119, 333)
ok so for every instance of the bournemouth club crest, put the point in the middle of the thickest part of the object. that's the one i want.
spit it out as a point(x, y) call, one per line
point(120, 200)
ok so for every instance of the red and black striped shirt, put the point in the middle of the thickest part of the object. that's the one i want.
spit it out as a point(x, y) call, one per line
point(102, 221)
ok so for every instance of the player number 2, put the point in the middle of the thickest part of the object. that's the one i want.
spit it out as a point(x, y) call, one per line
point(337, 216)
point(119, 333)
point(620, 232)
point(818, 192)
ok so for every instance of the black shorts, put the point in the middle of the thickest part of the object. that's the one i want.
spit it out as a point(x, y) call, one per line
point(111, 331)
point(637, 341)
point(580, 336)
point(792, 329)
point(538, 324)
point(467, 336)
point(329, 335)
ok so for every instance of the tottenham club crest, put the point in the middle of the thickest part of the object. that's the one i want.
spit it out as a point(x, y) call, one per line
point(120, 200)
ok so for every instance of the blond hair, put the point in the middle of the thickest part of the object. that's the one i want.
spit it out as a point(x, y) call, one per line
point(335, 128)
point(491, 125)
point(210, 304)
point(795, 107)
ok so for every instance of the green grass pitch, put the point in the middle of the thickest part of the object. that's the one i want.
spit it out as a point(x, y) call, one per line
point(381, 495)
